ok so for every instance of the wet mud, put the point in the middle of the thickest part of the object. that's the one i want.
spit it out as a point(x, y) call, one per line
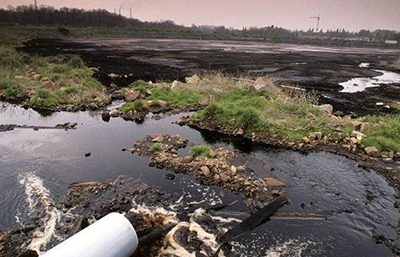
point(123, 61)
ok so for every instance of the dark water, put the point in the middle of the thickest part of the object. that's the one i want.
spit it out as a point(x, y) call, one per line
point(358, 202)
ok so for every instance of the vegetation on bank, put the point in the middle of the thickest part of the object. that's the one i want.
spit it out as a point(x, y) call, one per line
point(278, 114)
point(49, 81)
point(384, 133)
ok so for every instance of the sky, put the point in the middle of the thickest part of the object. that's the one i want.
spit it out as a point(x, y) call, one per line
point(351, 15)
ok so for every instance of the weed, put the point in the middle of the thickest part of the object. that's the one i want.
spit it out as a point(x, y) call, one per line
point(137, 105)
point(156, 148)
point(200, 150)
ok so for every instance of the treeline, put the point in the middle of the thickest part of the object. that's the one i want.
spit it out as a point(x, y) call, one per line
point(44, 15)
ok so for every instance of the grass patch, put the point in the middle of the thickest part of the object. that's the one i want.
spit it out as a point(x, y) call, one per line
point(179, 97)
point(384, 133)
point(277, 114)
point(56, 80)
point(156, 148)
point(138, 105)
point(200, 150)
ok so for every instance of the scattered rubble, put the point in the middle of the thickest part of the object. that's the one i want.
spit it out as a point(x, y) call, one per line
point(216, 170)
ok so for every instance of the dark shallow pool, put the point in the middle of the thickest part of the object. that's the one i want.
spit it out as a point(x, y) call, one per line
point(359, 203)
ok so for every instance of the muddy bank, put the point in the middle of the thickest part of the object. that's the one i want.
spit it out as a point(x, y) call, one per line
point(386, 163)
point(314, 68)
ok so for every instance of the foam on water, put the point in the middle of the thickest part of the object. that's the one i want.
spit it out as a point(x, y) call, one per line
point(38, 196)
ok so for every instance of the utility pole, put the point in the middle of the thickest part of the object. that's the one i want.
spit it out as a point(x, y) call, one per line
point(35, 4)
point(318, 18)
point(130, 11)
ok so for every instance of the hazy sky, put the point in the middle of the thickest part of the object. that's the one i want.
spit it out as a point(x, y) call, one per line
point(293, 14)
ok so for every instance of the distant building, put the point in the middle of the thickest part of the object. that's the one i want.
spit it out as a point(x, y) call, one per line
point(391, 42)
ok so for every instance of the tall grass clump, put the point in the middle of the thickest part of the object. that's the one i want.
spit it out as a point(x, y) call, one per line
point(201, 150)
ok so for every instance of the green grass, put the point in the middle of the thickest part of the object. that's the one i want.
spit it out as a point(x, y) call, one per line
point(156, 148)
point(71, 82)
point(138, 105)
point(200, 150)
point(276, 113)
point(179, 97)
point(384, 133)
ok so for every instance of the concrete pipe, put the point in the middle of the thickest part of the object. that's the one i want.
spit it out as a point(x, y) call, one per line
point(111, 236)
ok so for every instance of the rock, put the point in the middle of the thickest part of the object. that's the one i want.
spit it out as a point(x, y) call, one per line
point(213, 154)
point(31, 93)
point(356, 124)
point(316, 136)
point(357, 134)
point(114, 113)
point(187, 159)
point(233, 170)
point(193, 79)
point(239, 132)
point(175, 85)
point(87, 154)
point(273, 182)
point(205, 170)
point(263, 84)
point(36, 77)
point(306, 140)
point(106, 115)
point(276, 192)
point(158, 139)
point(365, 126)
point(353, 141)
point(169, 176)
point(130, 149)
point(338, 113)
point(327, 108)
point(29, 253)
point(224, 178)
point(372, 151)
point(216, 177)
point(162, 103)
point(131, 95)
point(241, 169)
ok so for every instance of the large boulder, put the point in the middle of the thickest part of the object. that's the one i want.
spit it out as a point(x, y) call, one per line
point(131, 95)
point(263, 84)
point(327, 108)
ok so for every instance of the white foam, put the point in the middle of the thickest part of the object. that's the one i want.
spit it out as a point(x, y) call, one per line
point(39, 196)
